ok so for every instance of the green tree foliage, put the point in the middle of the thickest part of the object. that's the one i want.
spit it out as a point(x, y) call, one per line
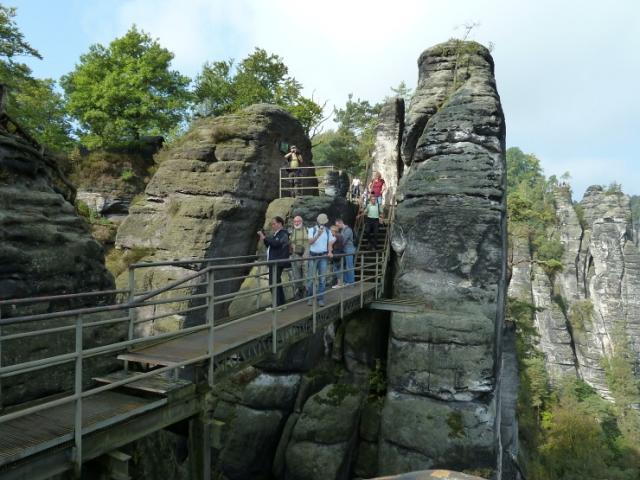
point(402, 91)
point(530, 207)
point(126, 90)
point(350, 146)
point(41, 110)
point(13, 44)
point(33, 103)
point(222, 87)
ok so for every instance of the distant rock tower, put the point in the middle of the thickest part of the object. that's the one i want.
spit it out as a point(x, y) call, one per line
point(442, 408)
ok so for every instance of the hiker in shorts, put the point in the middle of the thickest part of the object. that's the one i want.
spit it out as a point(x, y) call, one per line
point(295, 161)
point(320, 246)
point(355, 188)
point(298, 242)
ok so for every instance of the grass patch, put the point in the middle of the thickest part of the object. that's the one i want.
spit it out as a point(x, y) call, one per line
point(118, 261)
point(456, 425)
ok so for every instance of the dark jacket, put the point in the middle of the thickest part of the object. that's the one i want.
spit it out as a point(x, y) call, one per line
point(278, 245)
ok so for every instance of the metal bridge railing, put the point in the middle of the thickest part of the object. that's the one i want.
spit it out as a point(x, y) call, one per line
point(294, 182)
point(200, 295)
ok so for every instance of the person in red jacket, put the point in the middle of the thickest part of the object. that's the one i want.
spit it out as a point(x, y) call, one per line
point(377, 187)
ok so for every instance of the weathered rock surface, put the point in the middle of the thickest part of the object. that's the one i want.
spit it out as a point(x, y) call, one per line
point(386, 154)
point(551, 324)
point(323, 439)
point(211, 191)
point(45, 249)
point(591, 305)
point(450, 237)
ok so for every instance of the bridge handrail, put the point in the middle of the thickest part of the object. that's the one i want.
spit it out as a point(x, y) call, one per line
point(81, 353)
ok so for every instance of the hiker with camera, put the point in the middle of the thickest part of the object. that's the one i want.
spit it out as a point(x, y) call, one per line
point(320, 246)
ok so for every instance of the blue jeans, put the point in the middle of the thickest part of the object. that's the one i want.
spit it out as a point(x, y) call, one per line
point(318, 265)
point(349, 275)
point(379, 200)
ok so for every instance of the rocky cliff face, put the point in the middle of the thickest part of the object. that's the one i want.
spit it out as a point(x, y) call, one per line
point(45, 249)
point(590, 306)
point(450, 238)
point(211, 191)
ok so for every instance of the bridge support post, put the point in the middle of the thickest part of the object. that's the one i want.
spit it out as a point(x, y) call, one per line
point(77, 424)
point(200, 448)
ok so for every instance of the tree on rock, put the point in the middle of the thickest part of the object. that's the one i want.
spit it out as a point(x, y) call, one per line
point(126, 90)
point(33, 103)
point(222, 87)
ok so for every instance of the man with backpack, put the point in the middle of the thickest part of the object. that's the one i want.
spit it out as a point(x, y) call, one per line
point(320, 246)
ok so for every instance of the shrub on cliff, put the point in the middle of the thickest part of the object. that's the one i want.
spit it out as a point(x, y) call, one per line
point(224, 87)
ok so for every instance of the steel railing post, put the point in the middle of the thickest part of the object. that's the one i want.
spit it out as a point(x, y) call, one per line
point(362, 280)
point(314, 295)
point(77, 423)
point(274, 308)
point(131, 311)
point(0, 358)
point(280, 185)
point(377, 279)
point(342, 289)
point(211, 308)
point(258, 282)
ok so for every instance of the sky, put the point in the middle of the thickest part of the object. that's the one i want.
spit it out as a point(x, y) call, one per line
point(567, 71)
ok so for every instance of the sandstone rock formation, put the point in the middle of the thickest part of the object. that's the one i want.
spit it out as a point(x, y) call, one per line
point(211, 191)
point(386, 154)
point(450, 238)
point(45, 249)
point(588, 308)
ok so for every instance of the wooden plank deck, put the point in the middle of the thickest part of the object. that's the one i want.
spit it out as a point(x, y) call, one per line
point(231, 335)
point(34, 433)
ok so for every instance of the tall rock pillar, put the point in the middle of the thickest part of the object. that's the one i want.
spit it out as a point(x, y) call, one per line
point(386, 153)
point(442, 408)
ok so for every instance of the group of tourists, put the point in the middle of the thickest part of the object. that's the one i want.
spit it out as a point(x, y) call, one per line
point(310, 251)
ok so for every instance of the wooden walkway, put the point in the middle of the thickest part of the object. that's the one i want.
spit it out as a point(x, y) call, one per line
point(230, 336)
point(40, 444)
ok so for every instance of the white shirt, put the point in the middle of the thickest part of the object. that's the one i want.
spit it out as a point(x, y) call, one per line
point(321, 245)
